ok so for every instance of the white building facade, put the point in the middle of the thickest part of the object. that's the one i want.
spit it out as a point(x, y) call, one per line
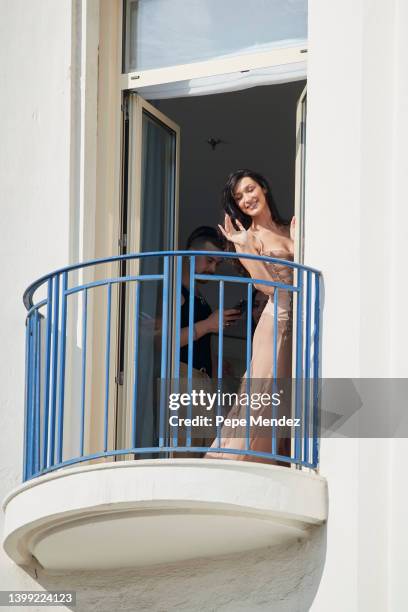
point(183, 533)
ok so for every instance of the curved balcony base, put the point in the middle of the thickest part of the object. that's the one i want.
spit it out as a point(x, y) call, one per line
point(139, 513)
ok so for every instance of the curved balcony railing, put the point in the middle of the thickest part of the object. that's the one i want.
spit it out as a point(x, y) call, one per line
point(101, 335)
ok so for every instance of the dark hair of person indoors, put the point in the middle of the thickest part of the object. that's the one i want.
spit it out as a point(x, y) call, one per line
point(203, 234)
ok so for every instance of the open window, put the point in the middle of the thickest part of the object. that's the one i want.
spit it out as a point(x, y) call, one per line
point(149, 224)
point(173, 184)
point(236, 104)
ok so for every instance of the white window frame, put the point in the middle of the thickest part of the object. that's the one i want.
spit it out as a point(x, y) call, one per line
point(137, 106)
point(300, 176)
point(117, 82)
point(240, 63)
point(299, 213)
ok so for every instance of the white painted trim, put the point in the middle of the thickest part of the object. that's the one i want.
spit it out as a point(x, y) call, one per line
point(300, 176)
point(92, 497)
point(225, 464)
point(299, 235)
point(185, 72)
point(105, 217)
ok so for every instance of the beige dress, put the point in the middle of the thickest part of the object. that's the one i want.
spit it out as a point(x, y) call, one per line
point(262, 368)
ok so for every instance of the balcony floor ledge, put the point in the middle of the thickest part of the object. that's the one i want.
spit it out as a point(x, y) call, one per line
point(147, 512)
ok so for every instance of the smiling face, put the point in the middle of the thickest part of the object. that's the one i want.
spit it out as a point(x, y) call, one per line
point(250, 197)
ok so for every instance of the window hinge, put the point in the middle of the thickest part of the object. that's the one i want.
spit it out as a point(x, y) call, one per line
point(122, 242)
point(302, 132)
point(119, 379)
point(125, 108)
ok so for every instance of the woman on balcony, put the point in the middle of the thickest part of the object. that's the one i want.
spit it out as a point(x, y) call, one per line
point(253, 225)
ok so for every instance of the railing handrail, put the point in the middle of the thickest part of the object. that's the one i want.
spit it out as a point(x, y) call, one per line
point(47, 385)
point(32, 288)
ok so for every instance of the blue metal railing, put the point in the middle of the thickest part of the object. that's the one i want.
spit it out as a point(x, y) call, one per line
point(62, 375)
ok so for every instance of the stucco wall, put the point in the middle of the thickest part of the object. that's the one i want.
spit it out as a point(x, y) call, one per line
point(35, 184)
point(43, 188)
point(355, 219)
point(356, 227)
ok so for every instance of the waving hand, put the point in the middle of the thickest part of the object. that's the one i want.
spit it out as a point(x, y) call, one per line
point(242, 238)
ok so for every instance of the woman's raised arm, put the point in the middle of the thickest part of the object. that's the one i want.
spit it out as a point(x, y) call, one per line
point(246, 242)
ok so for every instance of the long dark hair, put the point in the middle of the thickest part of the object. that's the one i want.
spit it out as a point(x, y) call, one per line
point(231, 207)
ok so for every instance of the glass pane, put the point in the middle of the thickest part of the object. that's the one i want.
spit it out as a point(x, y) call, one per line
point(163, 33)
point(158, 176)
point(156, 231)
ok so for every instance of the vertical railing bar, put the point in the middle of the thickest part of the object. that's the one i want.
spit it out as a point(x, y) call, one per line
point(220, 328)
point(135, 362)
point(26, 397)
point(316, 348)
point(47, 365)
point(61, 388)
point(34, 395)
point(40, 365)
point(30, 427)
point(179, 269)
point(220, 352)
point(164, 347)
point(307, 367)
point(83, 376)
point(54, 371)
point(299, 364)
point(248, 362)
point(179, 264)
point(37, 377)
point(191, 319)
point(190, 343)
point(275, 364)
point(107, 364)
